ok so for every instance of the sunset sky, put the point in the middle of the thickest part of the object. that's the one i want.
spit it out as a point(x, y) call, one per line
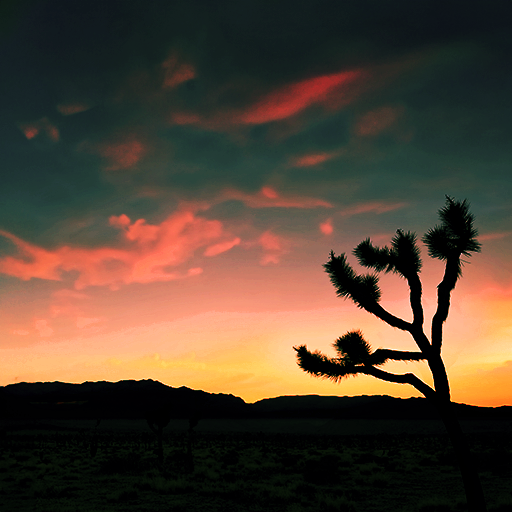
point(175, 174)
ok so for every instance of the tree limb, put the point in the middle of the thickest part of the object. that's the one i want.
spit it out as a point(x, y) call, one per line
point(407, 378)
point(384, 354)
point(415, 298)
point(444, 289)
point(377, 310)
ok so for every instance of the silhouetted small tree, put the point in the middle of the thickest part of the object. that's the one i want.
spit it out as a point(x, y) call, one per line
point(453, 238)
point(157, 420)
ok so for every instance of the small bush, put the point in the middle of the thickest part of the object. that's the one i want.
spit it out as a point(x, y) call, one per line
point(331, 503)
point(121, 464)
point(162, 485)
point(123, 495)
point(434, 505)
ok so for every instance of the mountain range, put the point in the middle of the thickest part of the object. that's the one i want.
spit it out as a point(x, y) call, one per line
point(148, 398)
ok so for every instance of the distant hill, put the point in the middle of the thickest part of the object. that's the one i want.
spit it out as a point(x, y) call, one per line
point(138, 399)
point(123, 399)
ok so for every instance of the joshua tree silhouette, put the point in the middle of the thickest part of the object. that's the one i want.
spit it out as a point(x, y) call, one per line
point(453, 238)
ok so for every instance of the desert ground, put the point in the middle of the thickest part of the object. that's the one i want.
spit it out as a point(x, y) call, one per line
point(248, 465)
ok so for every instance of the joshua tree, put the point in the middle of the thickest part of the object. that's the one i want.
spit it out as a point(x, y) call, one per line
point(453, 238)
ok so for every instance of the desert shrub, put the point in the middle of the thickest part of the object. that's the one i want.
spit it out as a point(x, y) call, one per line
point(305, 489)
point(332, 503)
point(502, 507)
point(290, 460)
point(447, 458)
point(379, 480)
point(163, 485)
point(434, 505)
point(125, 463)
point(122, 495)
point(324, 469)
point(44, 489)
point(295, 507)
point(368, 468)
point(230, 458)
point(6, 464)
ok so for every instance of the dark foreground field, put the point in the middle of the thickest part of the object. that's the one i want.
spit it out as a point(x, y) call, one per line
point(272, 466)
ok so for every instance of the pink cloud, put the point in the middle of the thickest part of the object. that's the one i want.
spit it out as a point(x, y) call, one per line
point(375, 207)
point(494, 236)
point(176, 72)
point(377, 121)
point(332, 91)
point(122, 221)
point(68, 109)
point(42, 126)
point(312, 159)
point(138, 231)
point(183, 118)
point(32, 262)
point(326, 227)
point(273, 248)
point(269, 192)
point(43, 328)
point(123, 154)
point(20, 332)
point(221, 247)
point(292, 99)
point(268, 197)
point(149, 254)
point(63, 303)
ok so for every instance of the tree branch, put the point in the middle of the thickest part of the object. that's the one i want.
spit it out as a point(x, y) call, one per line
point(407, 378)
point(415, 298)
point(444, 289)
point(377, 310)
point(383, 354)
point(320, 365)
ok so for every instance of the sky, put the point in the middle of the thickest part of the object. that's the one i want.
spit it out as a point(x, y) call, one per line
point(176, 173)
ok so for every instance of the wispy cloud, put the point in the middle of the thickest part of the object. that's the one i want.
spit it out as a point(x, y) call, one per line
point(494, 236)
point(268, 197)
point(331, 91)
point(176, 71)
point(294, 98)
point(312, 159)
point(377, 121)
point(68, 109)
point(326, 227)
point(371, 207)
point(156, 361)
point(40, 127)
point(149, 253)
point(123, 153)
point(273, 247)
point(20, 332)
point(221, 247)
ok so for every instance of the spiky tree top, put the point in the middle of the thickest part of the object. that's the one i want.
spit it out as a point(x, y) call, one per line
point(448, 241)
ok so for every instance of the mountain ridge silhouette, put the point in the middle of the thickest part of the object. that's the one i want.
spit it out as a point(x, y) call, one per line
point(133, 399)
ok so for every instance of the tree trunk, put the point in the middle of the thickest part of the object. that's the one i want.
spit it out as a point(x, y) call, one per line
point(472, 486)
point(160, 445)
